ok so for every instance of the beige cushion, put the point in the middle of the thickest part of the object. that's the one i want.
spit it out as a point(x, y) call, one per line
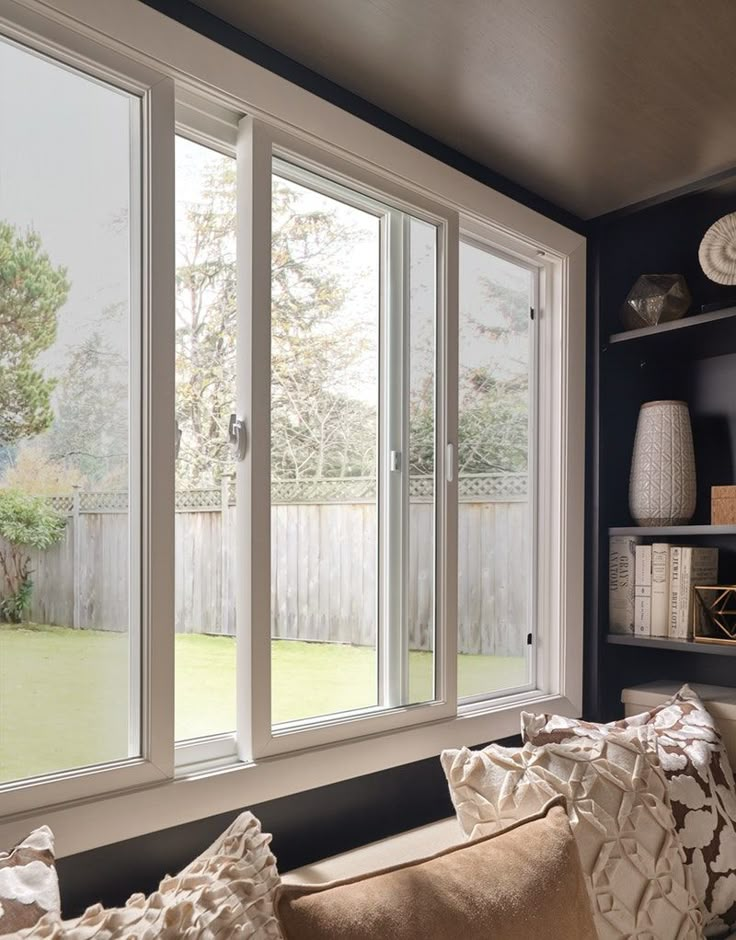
point(29, 886)
point(617, 803)
point(226, 892)
point(523, 882)
point(700, 787)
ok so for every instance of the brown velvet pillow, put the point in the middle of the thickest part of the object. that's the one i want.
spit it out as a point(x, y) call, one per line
point(524, 881)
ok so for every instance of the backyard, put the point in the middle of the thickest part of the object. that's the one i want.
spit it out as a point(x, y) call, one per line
point(63, 692)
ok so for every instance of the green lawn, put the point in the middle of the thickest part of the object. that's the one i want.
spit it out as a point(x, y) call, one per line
point(63, 693)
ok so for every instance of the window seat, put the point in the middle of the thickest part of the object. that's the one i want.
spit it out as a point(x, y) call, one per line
point(395, 850)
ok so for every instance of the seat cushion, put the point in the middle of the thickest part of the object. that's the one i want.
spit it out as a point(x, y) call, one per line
point(525, 881)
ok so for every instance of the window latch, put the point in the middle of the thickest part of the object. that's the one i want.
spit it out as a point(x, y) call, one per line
point(237, 435)
point(395, 461)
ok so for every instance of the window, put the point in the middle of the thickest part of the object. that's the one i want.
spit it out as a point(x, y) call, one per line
point(353, 582)
point(496, 433)
point(70, 233)
point(351, 443)
point(206, 329)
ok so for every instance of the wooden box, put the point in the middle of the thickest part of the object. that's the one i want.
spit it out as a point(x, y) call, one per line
point(723, 505)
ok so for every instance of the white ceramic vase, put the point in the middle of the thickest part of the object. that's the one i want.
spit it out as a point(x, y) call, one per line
point(662, 482)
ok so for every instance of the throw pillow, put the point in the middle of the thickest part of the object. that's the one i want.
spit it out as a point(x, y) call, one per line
point(226, 892)
point(700, 785)
point(617, 803)
point(525, 881)
point(29, 887)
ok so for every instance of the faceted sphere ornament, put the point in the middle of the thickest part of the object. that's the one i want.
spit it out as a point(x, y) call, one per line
point(662, 483)
point(717, 252)
point(655, 298)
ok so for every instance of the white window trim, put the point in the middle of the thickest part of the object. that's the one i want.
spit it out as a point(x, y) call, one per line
point(139, 36)
point(152, 495)
point(259, 143)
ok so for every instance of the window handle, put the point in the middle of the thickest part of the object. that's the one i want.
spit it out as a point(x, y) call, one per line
point(237, 435)
point(395, 461)
point(450, 463)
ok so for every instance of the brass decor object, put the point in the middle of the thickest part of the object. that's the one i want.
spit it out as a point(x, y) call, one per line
point(715, 614)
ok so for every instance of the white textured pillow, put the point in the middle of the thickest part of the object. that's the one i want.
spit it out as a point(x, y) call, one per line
point(225, 892)
point(700, 786)
point(619, 813)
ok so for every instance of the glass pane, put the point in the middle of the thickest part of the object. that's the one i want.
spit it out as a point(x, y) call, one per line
point(421, 537)
point(69, 289)
point(205, 396)
point(324, 432)
point(494, 528)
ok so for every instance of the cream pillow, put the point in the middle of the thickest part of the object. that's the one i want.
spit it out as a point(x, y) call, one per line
point(700, 786)
point(226, 892)
point(617, 803)
point(29, 886)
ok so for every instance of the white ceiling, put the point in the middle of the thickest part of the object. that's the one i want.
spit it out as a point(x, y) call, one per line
point(592, 104)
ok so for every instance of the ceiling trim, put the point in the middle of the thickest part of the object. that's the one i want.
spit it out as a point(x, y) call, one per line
point(205, 23)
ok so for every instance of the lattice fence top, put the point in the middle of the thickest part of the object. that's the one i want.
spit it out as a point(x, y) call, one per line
point(488, 486)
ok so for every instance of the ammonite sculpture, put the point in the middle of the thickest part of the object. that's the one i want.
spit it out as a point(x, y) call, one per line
point(717, 252)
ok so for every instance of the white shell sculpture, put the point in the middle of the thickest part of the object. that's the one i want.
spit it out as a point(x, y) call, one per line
point(717, 252)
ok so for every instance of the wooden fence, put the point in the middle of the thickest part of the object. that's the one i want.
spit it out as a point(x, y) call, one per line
point(323, 563)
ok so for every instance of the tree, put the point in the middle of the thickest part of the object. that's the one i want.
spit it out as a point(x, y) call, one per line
point(317, 428)
point(31, 292)
point(493, 421)
point(89, 437)
point(25, 522)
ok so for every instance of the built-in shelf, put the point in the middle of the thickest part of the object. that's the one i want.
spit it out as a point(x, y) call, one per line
point(704, 334)
point(666, 643)
point(674, 530)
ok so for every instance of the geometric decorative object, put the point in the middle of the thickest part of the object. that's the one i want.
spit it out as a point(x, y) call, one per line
point(655, 298)
point(717, 252)
point(715, 614)
point(662, 481)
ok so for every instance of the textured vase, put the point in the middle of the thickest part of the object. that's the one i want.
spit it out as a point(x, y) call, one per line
point(662, 483)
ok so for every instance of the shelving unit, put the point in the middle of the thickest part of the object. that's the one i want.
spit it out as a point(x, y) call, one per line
point(693, 360)
point(673, 531)
point(665, 643)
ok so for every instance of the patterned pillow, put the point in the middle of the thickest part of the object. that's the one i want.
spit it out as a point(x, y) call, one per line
point(700, 786)
point(226, 892)
point(617, 803)
point(29, 887)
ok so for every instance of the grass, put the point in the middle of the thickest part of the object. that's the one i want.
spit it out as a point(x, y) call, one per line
point(64, 693)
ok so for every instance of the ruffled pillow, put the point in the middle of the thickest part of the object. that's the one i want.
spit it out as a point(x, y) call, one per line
point(227, 891)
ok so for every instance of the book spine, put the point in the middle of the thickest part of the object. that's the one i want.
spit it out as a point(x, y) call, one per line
point(621, 561)
point(660, 587)
point(643, 591)
point(680, 626)
point(675, 560)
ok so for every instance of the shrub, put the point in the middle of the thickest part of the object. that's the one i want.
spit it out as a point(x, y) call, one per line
point(26, 522)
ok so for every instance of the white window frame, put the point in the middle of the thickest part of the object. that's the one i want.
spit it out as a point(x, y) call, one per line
point(106, 804)
point(259, 144)
point(151, 529)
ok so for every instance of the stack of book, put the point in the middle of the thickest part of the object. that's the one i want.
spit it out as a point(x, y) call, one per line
point(651, 586)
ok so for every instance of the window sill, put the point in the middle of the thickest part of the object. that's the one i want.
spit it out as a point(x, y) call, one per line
point(210, 788)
